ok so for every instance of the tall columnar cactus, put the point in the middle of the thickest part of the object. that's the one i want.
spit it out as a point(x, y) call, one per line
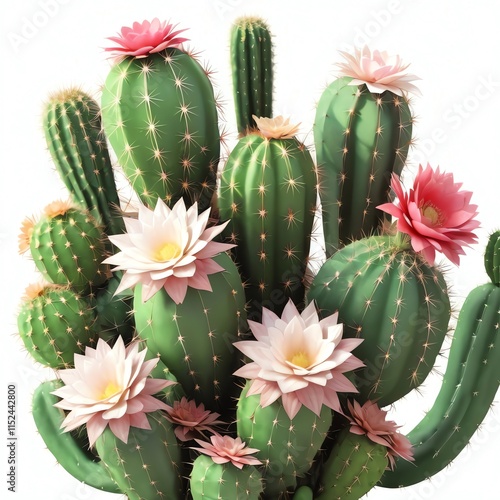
point(287, 446)
point(67, 246)
point(469, 386)
point(252, 70)
point(160, 115)
point(55, 323)
point(149, 464)
point(76, 141)
point(362, 132)
point(388, 295)
point(268, 194)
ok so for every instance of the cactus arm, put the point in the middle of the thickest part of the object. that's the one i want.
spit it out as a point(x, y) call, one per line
point(82, 465)
point(492, 258)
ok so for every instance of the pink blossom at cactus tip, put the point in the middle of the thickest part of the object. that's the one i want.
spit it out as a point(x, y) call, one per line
point(168, 248)
point(224, 449)
point(277, 127)
point(191, 420)
point(145, 38)
point(110, 386)
point(299, 358)
point(378, 70)
point(371, 421)
point(435, 213)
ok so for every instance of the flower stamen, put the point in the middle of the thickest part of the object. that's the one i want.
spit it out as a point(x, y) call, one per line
point(301, 359)
point(167, 252)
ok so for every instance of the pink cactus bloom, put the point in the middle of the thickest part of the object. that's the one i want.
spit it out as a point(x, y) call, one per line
point(167, 248)
point(436, 214)
point(299, 358)
point(110, 386)
point(145, 38)
point(191, 421)
point(378, 70)
point(371, 421)
point(224, 449)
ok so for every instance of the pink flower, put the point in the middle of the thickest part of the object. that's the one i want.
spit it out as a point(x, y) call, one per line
point(300, 359)
point(145, 38)
point(225, 449)
point(167, 248)
point(371, 421)
point(110, 386)
point(378, 70)
point(436, 214)
point(191, 420)
point(276, 128)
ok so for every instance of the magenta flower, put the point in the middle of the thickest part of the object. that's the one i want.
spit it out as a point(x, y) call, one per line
point(191, 421)
point(225, 449)
point(300, 359)
point(378, 70)
point(145, 38)
point(371, 421)
point(110, 386)
point(436, 214)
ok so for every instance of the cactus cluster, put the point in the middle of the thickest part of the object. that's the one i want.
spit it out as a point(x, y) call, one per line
point(209, 276)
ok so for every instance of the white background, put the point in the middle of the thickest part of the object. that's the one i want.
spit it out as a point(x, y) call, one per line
point(453, 45)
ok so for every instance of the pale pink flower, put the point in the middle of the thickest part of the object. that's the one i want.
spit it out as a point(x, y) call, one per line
point(110, 386)
point(371, 421)
point(145, 38)
point(299, 358)
point(191, 420)
point(225, 449)
point(436, 214)
point(378, 70)
point(167, 248)
point(276, 128)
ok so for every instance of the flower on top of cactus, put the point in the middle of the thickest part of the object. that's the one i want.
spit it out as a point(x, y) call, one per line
point(145, 38)
point(110, 386)
point(191, 420)
point(371, 421)
point(168, 248)
point(435, 213)
point(225, 449)
point(24, 237)
point(276, 128)
point(299, 358)
point(378, 70)
point(58, 207)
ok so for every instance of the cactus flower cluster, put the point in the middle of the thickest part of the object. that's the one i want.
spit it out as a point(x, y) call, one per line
point(197, 353)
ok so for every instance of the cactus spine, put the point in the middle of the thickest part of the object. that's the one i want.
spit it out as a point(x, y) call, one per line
point(268, 191)
point(211, 481)
point(194, 339)
point(470, 384)
point(76, 141)
point(386, 294)
point(160, 116)
point(361, 138)
point(252, 69)
point(287, 447)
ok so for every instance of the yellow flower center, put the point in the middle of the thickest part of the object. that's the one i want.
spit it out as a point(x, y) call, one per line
point(431, 213)
point(300, 359)
point(109, 391)
point(166, 252)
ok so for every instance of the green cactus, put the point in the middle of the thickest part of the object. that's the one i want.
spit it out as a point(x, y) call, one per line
point(194, 338)
point(361, 138)
point(469, 386)
point(251, 52)
point(160, 116)
point(492, 258)
point(303, 493)
point(388, 295)
point(287, 447)
point(149, 464)
point(268, 193)
point(82, 464)
point(354, 467)
point(67, 247)
point(211, 481)
point(55, 324)
point(76, 141)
